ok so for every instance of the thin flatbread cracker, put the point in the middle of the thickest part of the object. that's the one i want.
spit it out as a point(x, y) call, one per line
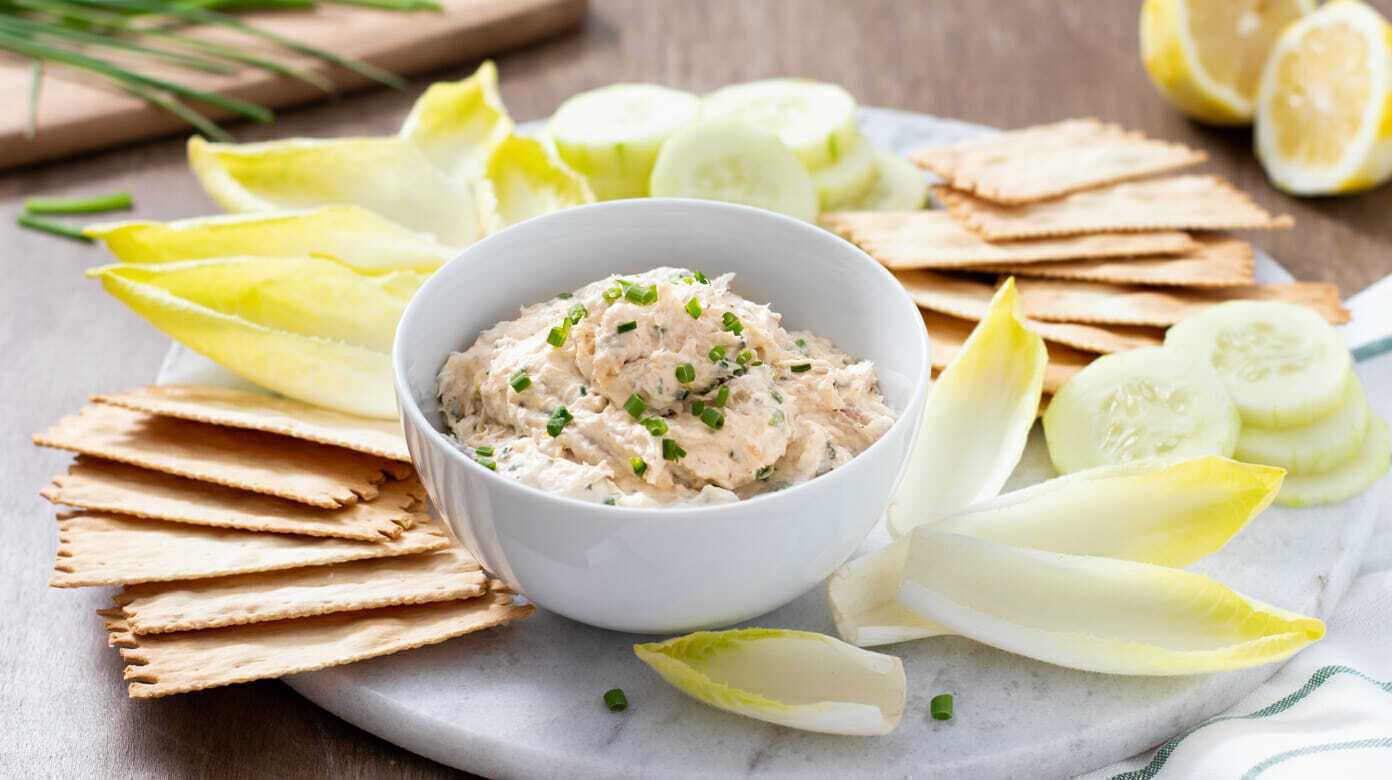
point(108, 486)
point(309, 473)
point(239, 409)
point(1047, 161)
point(933, 239)
point(948, 334)
point(969, 299)
point(1174, 203)
point(1218, 262)
point(1058, 301)
point(164, 664)
point(162, 607)
point(95, 548)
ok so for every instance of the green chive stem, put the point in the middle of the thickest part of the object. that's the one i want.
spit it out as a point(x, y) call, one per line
point(56, 228)
point(615, 700)
point(941, 707)
point(95, 204)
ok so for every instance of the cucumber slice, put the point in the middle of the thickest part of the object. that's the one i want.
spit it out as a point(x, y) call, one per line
point(899, 186)
point(848, 179)
point(816, 120)
point(1359, 473)
point(736, 163)
point(1310, 449)
point(1283, 364)
point(1150, 403)
point(612, 135)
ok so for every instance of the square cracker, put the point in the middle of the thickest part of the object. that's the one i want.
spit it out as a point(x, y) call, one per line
point(1060, 301)
point(1174, 203)
point(108, 486)
point(95, 548)
point(1047, 161)
point(239, 409)
point(162, 607)
point(1218, 262)
point(309, 473)
point(948, 334)
point(164, 664)
point(969, 299)
point(933, 239)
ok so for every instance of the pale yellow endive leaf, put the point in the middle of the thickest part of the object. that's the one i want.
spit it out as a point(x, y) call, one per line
point(389, 176)
point(354, 236)
point(976, 420)
point(345, 377)
point(525, 178)
point(402, 284)
point(797, 679)
point(457, 124)
point(1094, 614)
point(1168, 514)
point(304, 295)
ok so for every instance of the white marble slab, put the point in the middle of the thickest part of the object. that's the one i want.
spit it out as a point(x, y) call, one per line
point(525, 701)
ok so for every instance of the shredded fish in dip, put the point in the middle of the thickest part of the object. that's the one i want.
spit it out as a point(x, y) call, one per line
point(659, 388)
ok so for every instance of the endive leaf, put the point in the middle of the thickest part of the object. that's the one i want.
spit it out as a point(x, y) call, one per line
point(352, 235)
point(525, 178)
point(976, 420)
point(386, 175)
point(402, 284)
point(457, 124)
point(326, 373)
point(1168, 514)
point(1094, 614)
point(793, 678)
point(304, 295)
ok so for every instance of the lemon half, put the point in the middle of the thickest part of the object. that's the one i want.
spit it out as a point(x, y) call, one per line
point(1206, 56)
point(1324, 113)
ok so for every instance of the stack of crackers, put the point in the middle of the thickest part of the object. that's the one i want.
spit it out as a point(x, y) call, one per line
point(1107, 244)
point(255, 537)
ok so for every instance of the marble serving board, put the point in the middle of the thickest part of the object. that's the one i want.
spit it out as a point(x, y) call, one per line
point(526, 700)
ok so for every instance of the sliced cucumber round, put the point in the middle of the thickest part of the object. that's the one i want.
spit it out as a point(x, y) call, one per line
point(899, 186)
point(816, 120)
point(1150, 403)
point(1353, 477)
point(612, 135)
point(848, 179)
point(1310, 449)
point(1283, 364)
point(736, 163)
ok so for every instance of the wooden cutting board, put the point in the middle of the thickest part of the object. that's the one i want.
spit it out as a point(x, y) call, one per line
point(77, 113)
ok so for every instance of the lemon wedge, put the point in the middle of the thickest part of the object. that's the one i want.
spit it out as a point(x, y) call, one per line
point(1324, 115)
point(1206, 56)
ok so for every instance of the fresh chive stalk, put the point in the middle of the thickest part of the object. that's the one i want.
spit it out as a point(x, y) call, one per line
point(56, 228)
point(941, 707)
point(92, 205)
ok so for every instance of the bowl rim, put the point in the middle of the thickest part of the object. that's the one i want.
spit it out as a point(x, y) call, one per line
point(407, 405)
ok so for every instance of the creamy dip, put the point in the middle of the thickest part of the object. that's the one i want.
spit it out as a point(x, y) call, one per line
point(659, 388)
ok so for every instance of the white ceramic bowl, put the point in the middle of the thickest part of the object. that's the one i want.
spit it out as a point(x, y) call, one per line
point(663, 570)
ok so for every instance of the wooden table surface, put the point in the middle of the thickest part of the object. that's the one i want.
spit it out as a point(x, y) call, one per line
point(63, 707)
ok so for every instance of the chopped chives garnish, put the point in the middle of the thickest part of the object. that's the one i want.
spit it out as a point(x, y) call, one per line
point(615, 700)
point(655, 425)
point(722, 395)
point(693, 307)
point(635, 406)
point(716, 354)
point(558, 334)
point(776, 419)
point(801, 368)
point(777, 396)
point(112, 202)
point(483, 452)
point(682, 394)
point(639, 465)
point(488, 463)
point(611, 501)
point(520, 381)
point(671, 450)
point(643, 295)
point(802, 343)
point(713, 418)
point(559, 420)
point(744, 357)
point(613, 294)
point(565, 296)
point(686, 373)
point(56, 228)
point(941, 706)
point(732, 323)
point(700, 277)
point(688, 280)
point(697, 407)
point(764, 472)
point(625, 327)
point(577, 313)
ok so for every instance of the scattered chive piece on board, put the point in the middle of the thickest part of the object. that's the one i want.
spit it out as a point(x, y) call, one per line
point(92, 205)
point(56, 228)
point(941, 707)
point(615, 700)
